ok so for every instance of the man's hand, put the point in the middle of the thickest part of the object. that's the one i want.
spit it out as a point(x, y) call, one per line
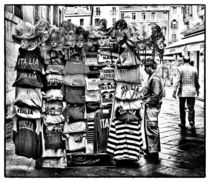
point(174, 95)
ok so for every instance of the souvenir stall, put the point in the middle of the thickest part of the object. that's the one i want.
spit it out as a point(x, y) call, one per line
point(53, 153)
point(78, 94)
point(28, 94)
point(125, 140)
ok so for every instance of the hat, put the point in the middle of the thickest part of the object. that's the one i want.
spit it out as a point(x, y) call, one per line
point(42, 25)
point(80, 30)
point(186, 57)
point(68, 26)
point(93, 35)
point(24, 31)
point(55, 34)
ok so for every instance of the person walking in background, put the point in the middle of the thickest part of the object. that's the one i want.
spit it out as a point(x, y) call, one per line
point(152, 97)
point(186, 87)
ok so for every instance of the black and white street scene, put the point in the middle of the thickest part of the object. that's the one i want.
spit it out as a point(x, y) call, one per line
point(104, 90)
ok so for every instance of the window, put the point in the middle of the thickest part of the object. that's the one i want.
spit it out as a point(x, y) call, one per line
point(143, 16)
point(36, 13)
point(18, 11)
point(59, 16)
point(113, 21)
point(174, 10)
point(97, 21)
point(164, 15)
point(113, 10)
point(81, 22)
point(164, 29)
point(122, 15)
point(133, 16)
point(173, 37)
point(174, 24)
point(48, 14)
point(190, 11)
point(153, 16)
point(98, 11)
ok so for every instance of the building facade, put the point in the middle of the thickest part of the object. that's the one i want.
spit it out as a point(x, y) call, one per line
point(78, 15)
point(176, 23)
point(192, 42)
point(110, 13)
point(89, 16)
point(15, 14)
point(143, 17)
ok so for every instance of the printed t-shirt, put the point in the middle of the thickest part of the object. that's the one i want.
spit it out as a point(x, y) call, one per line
point(27, 137)
point(29, 97)
point(29, 60)
point(28, 79)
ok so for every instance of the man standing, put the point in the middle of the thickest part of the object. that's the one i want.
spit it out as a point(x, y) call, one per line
point(152, 96)
point(187, 87)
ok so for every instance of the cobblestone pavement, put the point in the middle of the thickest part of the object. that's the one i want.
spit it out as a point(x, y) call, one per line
point(182, 153)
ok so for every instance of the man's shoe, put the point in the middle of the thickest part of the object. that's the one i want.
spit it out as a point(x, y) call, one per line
point(193, 129)
point(192, 124)
point(182, 126)
point(152, 157)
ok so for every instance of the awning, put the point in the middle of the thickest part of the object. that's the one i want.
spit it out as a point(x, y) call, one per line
point(190, 44)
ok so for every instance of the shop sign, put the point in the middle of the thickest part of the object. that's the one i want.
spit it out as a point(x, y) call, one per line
point(107, 73)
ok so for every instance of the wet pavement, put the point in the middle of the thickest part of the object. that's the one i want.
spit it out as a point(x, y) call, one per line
point(182, 152)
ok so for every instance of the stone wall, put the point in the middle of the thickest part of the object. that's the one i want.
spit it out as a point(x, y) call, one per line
point(30, 14)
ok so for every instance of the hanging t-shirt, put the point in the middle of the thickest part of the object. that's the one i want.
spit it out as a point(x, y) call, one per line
point(107, 98)
point(128, 115)
point(51, 120)
point(107, 85)
point(75, 136)
point(131, 91)
point(54, 94)
point(131, 75)
point(102, 125)
point(74, 95)
point(28, 79)
point(92, 96)
point(27, 112)
point(75, 127)
point(125, 140)
point(92, 55)
point(92, 83)
point(76, 80)
point(94, 71)
point(127, 105)
point(53, 136)
point(73, 67)
point(107, 73)
point(54, 80)
point(27, 137)
point(29, 97)
point(76, 143)
point(53, 107)
point(29, 60)
point(74, 113)
point(55, 69)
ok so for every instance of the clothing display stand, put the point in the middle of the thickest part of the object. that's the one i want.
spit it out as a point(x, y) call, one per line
point(125, 138)
point(28, 103)
point(53, 153)
point(99, 86)
point(81, 105)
